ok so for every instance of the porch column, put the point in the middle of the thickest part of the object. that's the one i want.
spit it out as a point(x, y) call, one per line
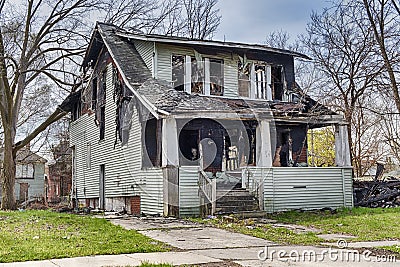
point(342, 149)
point(263, 141)
point(170, 144)
point(170, 163)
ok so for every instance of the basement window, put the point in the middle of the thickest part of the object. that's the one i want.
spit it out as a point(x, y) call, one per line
point(178, 72)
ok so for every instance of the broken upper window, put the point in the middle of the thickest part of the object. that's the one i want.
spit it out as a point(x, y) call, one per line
point(260, 80)
point(102, 122)
point(178, 72)
point(101, 94)
point(216, 77)
point(76, 111)
point(277, 82)
point(197, 76)
point(94, 93)
point(243, 79)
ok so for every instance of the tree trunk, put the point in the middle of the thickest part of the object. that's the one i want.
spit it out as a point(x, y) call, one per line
point(8, 173)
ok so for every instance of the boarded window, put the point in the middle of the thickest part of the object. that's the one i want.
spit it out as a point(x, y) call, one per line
point(216, 77)
point(102, 122)
point(151, 143)
point(94, 93)
point(243, 79)
point(197, 76)
point(24, 171)
point(178, 72)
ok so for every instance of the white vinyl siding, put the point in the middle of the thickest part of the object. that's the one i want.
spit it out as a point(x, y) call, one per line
point(145, 50)
point(189, 200)
point(123, 176)
point(305, 188)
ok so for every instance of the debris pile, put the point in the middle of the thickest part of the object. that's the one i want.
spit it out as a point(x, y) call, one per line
point(383, 193)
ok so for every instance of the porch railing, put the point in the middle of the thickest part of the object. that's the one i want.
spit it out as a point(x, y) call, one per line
point(209, 189)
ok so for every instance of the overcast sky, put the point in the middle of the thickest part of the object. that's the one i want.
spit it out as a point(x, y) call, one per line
point(250, 21)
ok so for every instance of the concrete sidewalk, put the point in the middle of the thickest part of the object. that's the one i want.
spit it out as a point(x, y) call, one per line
point(208, 245)
point(175, 258)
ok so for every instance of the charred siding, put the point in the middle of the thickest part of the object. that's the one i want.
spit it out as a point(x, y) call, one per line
point(124, 176)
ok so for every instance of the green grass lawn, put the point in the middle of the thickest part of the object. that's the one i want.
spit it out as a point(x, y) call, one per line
point(39, 235)
point(364, 223)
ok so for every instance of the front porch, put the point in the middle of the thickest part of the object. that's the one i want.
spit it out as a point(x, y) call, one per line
point(207, 162)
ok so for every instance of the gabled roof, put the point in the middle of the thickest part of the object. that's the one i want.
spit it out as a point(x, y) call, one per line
point(160, 98)
point(25, 156)
point(232, 46)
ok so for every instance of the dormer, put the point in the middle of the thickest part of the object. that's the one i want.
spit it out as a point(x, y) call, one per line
point(220, 69)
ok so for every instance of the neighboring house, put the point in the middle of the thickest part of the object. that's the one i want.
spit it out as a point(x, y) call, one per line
point(59, 180)
point(174, 126)
point(30, 175)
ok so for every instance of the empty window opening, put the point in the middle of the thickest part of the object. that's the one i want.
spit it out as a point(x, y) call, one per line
point(94, 93)
point(260, 79)
point(178, 72)
point(243, 79)
point(101, 94)
point(277, 82)
point(197, 76)
point(152, 144)
point(216, 77)
point(102, 122)
point(76, 111)
point(189, 147)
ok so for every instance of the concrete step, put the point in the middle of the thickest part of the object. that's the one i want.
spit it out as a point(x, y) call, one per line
point(232, 192)
point(235, 201)
point(235, 209)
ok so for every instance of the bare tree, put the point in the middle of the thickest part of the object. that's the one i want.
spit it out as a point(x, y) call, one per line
point(38, 40)
point(188, 18)
point(384, 19)
point(343, 51)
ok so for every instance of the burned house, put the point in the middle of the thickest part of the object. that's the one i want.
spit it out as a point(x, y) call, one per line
point(175, 126)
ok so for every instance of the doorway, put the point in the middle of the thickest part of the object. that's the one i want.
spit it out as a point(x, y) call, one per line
point(101, 186)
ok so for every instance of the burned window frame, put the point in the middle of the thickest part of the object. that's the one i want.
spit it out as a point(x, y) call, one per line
point(277, 82)
point(151, 143)
point(94, 86)
point(244, 70)
point(216, 80)
point(197, 76)
point(102, 122)
point(178, 72)
point(260, 80)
